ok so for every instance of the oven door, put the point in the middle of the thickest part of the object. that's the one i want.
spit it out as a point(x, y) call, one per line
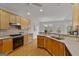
point(17, 42)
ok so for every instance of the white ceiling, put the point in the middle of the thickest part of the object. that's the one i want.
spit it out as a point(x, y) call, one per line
point(51, 10)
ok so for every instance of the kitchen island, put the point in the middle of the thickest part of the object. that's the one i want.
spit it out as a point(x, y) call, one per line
point(59, 47)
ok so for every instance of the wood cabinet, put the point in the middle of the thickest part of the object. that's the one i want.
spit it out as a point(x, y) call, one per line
point(61, 49)
point(8, 17)
point(0, 46)
point(25, 39)
point(18, 20)
point(53, 46)
point(75, 16)
point(24, 23)
point(40, 41)
point(12, 18)
point(30, 37)
point(67, 53)
point(4, 20)
point(48, 44)
point(6, 46)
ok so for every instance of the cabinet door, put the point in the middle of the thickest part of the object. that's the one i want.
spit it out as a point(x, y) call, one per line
point(56, 48)
point(7, 45)
point(48, 44)
point(40, 41)
point(1, 43)
point(12, 18)
point(53, 47)
point(25, 39)
point(61, 50)
point(18, 20)
point(67, 52)
point(4, 20)
point(30, 37)
point(24, 23)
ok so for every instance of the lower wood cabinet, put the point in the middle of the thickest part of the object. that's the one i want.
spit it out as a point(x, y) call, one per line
point(25, 39)
point(1, 46)
point(48, 44)
point(61, 49)
point(67, 53)
point(30, 37)
point(40, 41)
point(53, 46)
point(6, 46)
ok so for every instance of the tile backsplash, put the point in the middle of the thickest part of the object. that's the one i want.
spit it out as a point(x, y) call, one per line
point(11, 31)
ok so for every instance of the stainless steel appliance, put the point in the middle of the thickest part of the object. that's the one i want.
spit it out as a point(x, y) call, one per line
point(17, 40)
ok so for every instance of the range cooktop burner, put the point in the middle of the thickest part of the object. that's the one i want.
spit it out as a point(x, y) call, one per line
point(15, 34)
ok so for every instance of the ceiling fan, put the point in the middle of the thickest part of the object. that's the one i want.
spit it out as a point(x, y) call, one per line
point(36, 4)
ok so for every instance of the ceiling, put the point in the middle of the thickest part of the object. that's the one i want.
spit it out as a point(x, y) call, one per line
point(51, 10)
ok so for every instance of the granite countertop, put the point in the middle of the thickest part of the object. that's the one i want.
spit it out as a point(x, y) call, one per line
point(64, 34)
point(72, 45)
point(8, 36)
point(5, 37)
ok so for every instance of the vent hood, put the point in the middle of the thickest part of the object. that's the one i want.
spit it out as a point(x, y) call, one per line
point(16, 25)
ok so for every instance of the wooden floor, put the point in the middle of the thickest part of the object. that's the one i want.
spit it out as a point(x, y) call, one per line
point(30, 50)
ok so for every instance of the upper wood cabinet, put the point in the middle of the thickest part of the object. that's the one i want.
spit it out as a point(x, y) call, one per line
point(8, 17)
point(4, 20)
point(12, 18)
point(24, 23)
point(18, 19)
point(75, 9)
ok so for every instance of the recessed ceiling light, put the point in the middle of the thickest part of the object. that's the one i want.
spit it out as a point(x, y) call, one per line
point(41, 10)
point(28, 13)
